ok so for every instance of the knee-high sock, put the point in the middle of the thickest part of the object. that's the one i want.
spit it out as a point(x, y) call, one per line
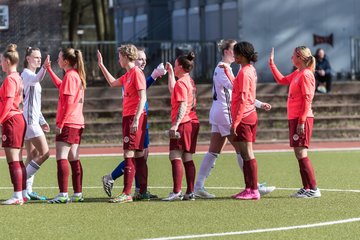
point(309, 171)
point(23, 171)
point(246, 172)
point(77, 175)
point(63, 175)
point(118, 171)
point(177, 172)
point(190, 173)
point(240, 161)
point(206, 166)
point(129, 174)
point(29, 184)
point(16, 175)
point(304, 178)
point(31, 169)
point(141, 174)
point(253, 172)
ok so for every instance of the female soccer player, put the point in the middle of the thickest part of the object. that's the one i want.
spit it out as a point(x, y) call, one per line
point(244, 117)
point(134, 120)
point(69, 122)
point(220, 119)
point(183, 105)
point(13, 123)
point(108, 180)
point(36, 145)
point(300, 116)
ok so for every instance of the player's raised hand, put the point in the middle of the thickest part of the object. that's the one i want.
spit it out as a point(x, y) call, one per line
point(271, 57)
point(100, 58)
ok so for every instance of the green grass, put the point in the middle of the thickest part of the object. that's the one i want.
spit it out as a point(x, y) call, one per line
point(97, 219)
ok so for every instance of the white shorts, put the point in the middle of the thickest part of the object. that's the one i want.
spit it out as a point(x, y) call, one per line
point(224, 130)
point(33, 131)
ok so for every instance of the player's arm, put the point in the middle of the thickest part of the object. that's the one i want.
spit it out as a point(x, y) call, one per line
point(139, 111)
point(180, 115)
point(171, 77)
point(262, 105)
point(6, 109)
point(113, 82)
point(279, 77)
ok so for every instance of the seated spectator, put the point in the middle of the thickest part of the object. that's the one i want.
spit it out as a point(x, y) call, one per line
point(322, 72)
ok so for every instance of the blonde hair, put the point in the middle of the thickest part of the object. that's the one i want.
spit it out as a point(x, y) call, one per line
point(129, 51)
point(75, 58)
point(304, 53)
point(11, 53)
point(225, 45)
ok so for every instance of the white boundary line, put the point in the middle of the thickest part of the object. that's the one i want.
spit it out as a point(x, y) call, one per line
point(321, 224)
point(216, 188)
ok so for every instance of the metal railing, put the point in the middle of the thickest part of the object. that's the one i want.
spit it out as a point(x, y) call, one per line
point(355, 57)
point(157, 51)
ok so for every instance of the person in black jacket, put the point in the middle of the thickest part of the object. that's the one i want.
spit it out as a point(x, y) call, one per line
point(322, 72)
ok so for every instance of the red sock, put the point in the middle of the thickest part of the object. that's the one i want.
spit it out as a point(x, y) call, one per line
point(63, 175)
point(177, 172)
point(246, 173)
point(77, 175)
point(23, 169)
point(129, 174)
point(303, 175)
point(16, 175)
point(141, 173)
point(253, 172)
point(309, 171)
point(190, 173)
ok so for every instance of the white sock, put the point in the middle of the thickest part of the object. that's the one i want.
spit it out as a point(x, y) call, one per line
point(18, 195)
point(64, 194)
point(240, 161)
point(29, 184)
point(31, 168)
point(24, 194)
point(78, 194)
point(206, 165)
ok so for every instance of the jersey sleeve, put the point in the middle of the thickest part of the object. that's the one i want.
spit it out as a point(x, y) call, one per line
point(140, 82)
point(70, 86)
point(225, 78)
point(180, 92)
point(10, 86)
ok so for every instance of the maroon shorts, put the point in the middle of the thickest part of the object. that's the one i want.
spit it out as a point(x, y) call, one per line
point(13, 132)
point(297, 140)
point(188, 137)
point(134, 141)
point(70, 135)
point(246, 132)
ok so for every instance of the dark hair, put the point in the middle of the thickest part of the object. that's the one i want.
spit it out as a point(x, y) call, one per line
point(11, 53)
point(75, 58)
point(28, 52)
point(225, 45)
point(247, 50)
point(187, 61)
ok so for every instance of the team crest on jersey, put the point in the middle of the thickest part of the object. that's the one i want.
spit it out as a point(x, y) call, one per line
point(4, 138)
point(126, 139)
point(296, 79)
point(295, 137)
point(128, 80)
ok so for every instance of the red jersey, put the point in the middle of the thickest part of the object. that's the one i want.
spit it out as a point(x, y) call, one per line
point(184, 91)
point(11, 89)
point(301, 92)
point(71, 101)
point(243, 95)
point(132, 81)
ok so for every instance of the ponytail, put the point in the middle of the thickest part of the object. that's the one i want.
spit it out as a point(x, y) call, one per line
point(80, 67)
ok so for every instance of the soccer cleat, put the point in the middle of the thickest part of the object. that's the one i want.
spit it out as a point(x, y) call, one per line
point(36, 196)
point(59, 199)
point(138, 196)
point(108, 184)
point(189, 196)
point(173, 196)
point(263, 189)
point(152, 196)
point(75, 198)
point(313, 193)
point(13, 201)
point(301, 193)
point(122, 198)
point(202, 193)
point(248, 194)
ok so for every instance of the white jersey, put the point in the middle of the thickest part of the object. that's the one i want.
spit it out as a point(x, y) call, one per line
point(222, 89)
point(32, 96)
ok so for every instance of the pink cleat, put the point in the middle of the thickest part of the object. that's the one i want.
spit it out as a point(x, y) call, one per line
point(248, 194)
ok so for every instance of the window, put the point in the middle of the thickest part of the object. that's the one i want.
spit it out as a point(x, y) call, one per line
point(4, 17)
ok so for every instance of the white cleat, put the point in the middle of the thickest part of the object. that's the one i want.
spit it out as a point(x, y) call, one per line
point(313, 193)
point(263, 189)
point(202, 193)
point(301, 193)
point(173, 196)
point(13, 201)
